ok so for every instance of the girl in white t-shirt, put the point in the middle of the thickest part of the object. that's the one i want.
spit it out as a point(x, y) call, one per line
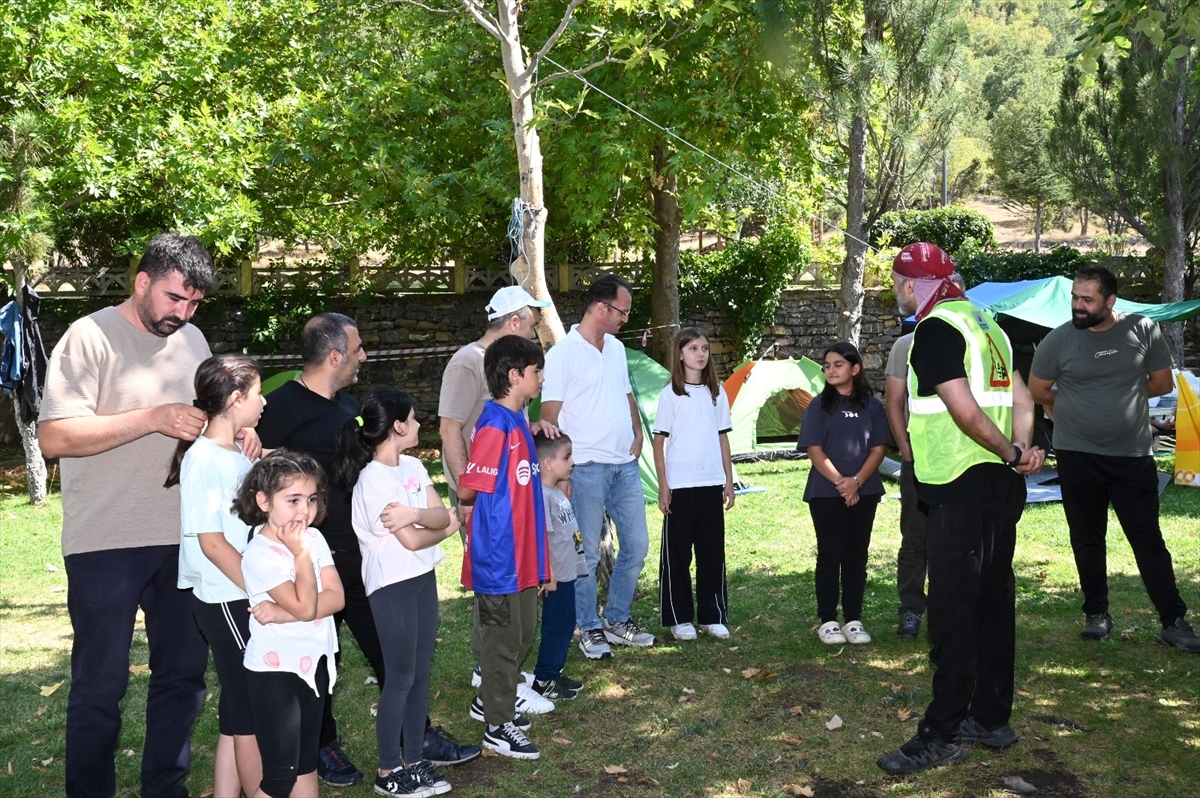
point(400, 522)
point(208, 471)
point(293, 589)
point(695, 481)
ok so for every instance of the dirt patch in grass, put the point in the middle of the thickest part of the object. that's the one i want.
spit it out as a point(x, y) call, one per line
point(830, 788)
point(1054, 780)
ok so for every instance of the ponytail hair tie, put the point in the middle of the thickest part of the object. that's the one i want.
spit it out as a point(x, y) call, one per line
point(201, 405)
point(359, 420)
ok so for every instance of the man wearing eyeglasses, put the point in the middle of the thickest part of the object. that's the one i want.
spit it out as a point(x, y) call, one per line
point(587, 393)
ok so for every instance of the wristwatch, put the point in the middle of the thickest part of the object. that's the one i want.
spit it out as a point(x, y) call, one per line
point(1016, 461)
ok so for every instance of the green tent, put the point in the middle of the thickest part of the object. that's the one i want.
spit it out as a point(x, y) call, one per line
point(767, 400)
point(647, 379)
point(1047, 303)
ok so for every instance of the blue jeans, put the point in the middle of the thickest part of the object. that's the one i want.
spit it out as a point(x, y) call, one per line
point(596, 487)
point(104, 591)
point(558, 625)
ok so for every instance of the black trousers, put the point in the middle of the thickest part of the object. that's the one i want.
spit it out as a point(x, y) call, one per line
point(1090, 482)
point(910, 561)
point(972, 604)
point(286, 715)
point(696, 521)
point(843, 537)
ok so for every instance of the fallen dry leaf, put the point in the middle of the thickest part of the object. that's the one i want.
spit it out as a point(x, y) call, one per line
point(797, 710)
point(744, 785)
point(834, 723)
point(750, 673)
point(561, 740)
point(1019, 785)
point(904, 713)
point(47, 690)
point(46, 762)
point(801, 790)
point(489, 752)
point(647, 781)
point(790, 740)
point(41, 710)
point(614, 769)
point(50, 567)
point(683, 699)
point(622, 779)
point(689, 691)
point(371, 680)
point(1024, 693)
point(1128, 633)
point(10, 768)
point(137, 670)
point(1105, 671)
point(672, 767)
point(897, 688)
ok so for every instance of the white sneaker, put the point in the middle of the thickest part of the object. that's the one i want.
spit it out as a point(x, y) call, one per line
point(831, 634)
point(530, 702)
point(477, 677)
point(683, 631)
point(854, 633)
point(718, 630)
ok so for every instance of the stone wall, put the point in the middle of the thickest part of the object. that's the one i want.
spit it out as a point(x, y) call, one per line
point(805, 324)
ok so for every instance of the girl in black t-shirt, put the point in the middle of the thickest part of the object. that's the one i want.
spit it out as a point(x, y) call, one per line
point(845, 434)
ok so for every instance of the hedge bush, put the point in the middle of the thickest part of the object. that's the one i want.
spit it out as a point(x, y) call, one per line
point(1006, 267)
point(957, 230)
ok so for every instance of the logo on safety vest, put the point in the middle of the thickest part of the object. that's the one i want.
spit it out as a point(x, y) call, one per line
point(999, 378)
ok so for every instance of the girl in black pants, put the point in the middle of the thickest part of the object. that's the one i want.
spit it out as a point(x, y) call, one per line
point(845, 433)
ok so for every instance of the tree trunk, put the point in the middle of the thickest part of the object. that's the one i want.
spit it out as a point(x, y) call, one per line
point(529, 269)
point(664, 294)
point(1176, 251)
point(851, 298)
point(1083, 221)
point(1037, 227)
point(35, 464)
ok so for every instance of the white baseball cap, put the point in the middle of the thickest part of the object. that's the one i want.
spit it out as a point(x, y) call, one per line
point(509, 300)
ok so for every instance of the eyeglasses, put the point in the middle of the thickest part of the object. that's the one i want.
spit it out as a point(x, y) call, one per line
point(624, 313)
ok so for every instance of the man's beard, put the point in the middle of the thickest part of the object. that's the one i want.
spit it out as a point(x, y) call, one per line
point(163, 327)
point(1088, 319)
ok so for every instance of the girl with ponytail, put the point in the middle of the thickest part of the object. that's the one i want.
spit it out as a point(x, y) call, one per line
point(209, 471)
point(400, 522)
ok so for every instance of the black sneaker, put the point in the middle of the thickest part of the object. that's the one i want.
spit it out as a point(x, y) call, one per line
point(520, 721)
point(570, 684)
point(334, 768)
point(910, 626)
point(441, 749)
point(972, 731)
point(402, 781)
point(1097, 627)
point(1180, 635)
point(553, 689)
point(918, 754)
point(428, 775)
point(508, 740)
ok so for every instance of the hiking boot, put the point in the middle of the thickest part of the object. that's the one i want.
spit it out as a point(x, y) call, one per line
point(999, 738)
point(918, 754)
point(442, 750)
point(554, 690)
point(1180, 635)
point(594, 644)
point(476, 712)
point(717, 630)
point(910, 626)
point(508, 740)
point(1097, 627)
point(334, 767)
point(627, 633)
point(530, 702)
point(403, 781)
point(429, 776)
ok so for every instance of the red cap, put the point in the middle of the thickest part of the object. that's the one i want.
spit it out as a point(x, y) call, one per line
point(922, 261)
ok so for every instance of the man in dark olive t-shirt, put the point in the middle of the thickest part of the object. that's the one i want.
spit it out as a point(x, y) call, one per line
point(1094, 375)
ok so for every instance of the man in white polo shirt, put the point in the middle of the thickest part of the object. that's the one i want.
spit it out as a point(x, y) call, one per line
point(587, 394)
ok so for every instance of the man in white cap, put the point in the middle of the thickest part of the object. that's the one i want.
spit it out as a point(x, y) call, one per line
point(512, 311)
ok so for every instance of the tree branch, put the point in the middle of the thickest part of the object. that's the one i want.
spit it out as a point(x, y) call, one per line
point(567, 16)
point(574, 73)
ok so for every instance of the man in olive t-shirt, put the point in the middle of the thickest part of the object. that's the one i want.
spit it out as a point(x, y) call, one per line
point(1094, 375)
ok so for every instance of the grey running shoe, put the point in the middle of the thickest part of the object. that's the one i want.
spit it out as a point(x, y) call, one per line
point(1180, 635)
point(594, 644)
point(972, 731)
point(1098, 626)
point(910, 626)
point(627, 633)
point(917, 754)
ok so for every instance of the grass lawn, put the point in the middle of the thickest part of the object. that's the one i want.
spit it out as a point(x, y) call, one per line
point(711, 718)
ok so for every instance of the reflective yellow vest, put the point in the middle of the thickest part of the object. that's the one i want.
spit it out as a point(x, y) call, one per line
point(941, 451)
